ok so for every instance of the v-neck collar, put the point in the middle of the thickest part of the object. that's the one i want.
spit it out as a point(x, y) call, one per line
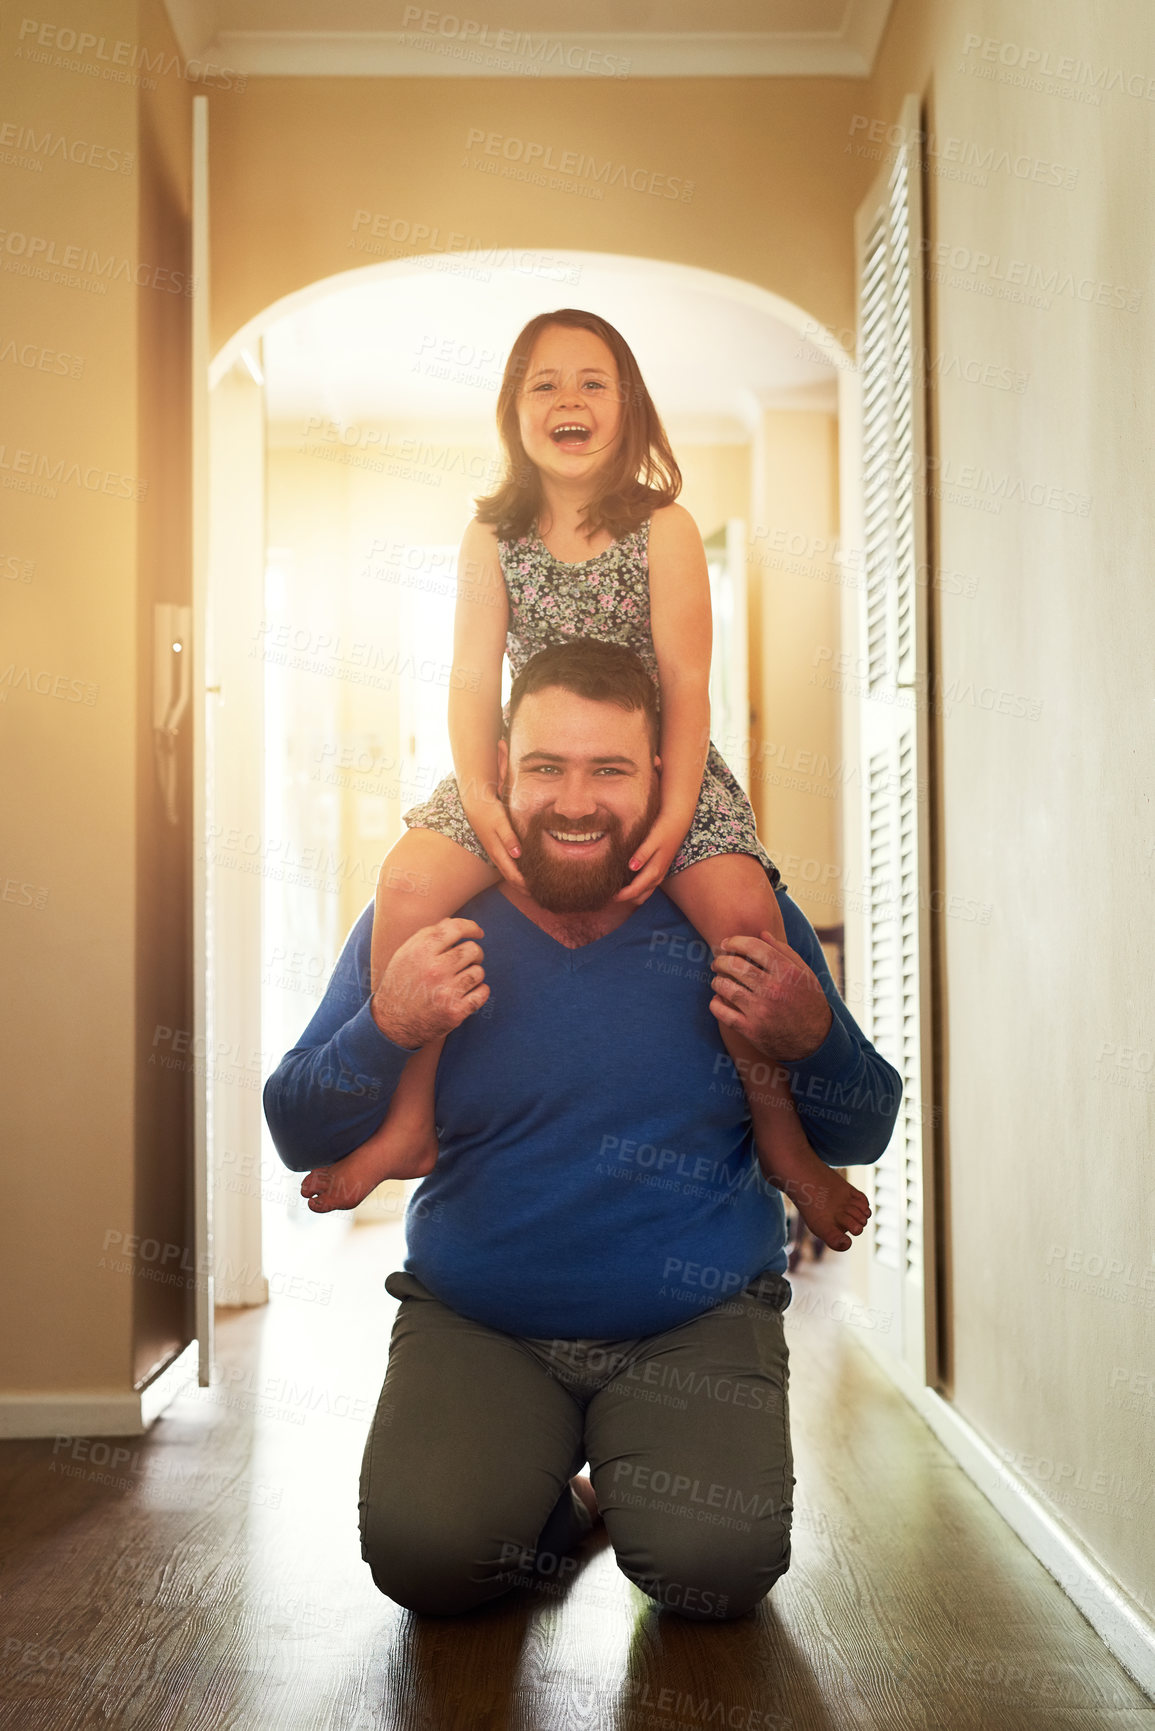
point(583, 952)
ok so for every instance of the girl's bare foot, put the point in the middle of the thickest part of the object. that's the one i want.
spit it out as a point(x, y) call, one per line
point(347, 1182)
point(831, 1206)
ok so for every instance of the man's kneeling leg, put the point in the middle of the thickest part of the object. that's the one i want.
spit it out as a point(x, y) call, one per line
point(691, 1457)
point(466, 1466)
point(710, 1575)
point(452, 1564)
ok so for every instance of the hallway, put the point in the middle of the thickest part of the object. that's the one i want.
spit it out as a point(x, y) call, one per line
point(886, 267)
point(209, 1575)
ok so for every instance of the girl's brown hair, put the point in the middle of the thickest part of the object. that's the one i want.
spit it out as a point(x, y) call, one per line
point(643, 474)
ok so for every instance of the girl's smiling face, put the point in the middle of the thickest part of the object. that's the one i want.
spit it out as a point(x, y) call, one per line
point(569, 409)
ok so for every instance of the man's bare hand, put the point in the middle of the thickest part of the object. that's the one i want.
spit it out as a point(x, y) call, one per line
point(764, 989)
point(434, 981)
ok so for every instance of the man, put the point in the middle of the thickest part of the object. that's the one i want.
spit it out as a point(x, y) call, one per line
point(595, 1264)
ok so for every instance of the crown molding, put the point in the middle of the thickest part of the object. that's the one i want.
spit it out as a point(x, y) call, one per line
point(475, 51)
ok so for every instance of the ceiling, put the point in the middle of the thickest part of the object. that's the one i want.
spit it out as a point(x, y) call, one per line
point(423, 347)
point(502, 38)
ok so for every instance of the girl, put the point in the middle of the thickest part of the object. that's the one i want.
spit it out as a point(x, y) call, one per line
point(574, 543)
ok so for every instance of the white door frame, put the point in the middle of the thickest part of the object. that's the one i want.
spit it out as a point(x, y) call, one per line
point(886, 724)
point(202, 1093)
point(228, 740)
point(237, 854)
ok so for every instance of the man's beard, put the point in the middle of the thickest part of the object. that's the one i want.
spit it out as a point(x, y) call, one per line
point(577, 886)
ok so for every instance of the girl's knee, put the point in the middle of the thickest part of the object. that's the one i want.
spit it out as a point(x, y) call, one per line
point(727, 896)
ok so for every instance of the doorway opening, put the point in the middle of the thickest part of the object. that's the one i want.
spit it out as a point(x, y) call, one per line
point(352, 427)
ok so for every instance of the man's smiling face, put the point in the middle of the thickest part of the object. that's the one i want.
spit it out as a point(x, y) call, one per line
point(580, 784)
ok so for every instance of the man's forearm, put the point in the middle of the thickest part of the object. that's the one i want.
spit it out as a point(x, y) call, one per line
point(847, 1099)
point(847, 1095)
point(332, 1091)
point(324, 1100)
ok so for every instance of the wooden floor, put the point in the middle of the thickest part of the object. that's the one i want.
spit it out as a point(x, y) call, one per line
point(210, 1576)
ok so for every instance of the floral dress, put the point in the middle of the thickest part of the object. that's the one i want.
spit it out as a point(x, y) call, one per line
point(608, 597)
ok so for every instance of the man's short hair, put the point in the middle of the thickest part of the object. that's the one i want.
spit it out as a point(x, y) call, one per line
point(601, 672)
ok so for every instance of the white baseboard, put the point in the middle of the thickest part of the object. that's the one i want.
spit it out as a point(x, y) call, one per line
point(95, 1413)
point(1111, 1612)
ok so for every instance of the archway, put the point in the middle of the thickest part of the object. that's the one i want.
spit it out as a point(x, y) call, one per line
point(778, 362)
point(737, 290)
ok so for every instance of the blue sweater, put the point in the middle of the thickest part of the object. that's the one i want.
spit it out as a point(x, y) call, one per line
point(597, 1175)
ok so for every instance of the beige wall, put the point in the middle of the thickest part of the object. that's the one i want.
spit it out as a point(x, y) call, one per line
point(1047, 1003)
point(795, 780)
point(295, 160)
point(92, 959)
point(162, 1312)
point(715, 484)
point(304, 170)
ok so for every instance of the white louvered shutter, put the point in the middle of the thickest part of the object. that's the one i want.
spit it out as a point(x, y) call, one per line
point(892, 689)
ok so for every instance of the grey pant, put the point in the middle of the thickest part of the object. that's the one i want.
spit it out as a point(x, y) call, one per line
point(465, 1483)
